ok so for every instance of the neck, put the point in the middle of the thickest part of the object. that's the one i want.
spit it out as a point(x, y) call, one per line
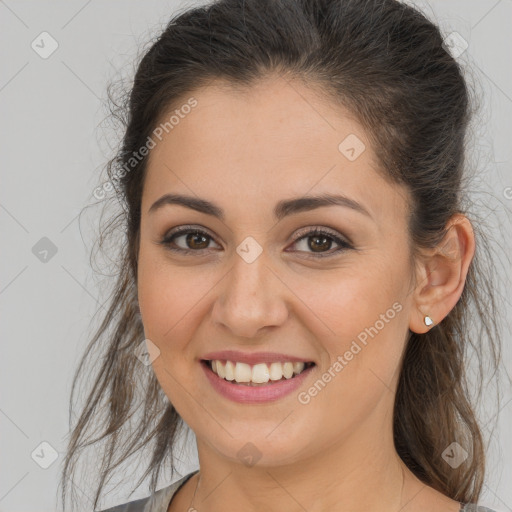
point(352, 476)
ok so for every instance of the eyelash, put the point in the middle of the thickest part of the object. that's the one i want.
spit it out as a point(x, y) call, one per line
point(344, 245)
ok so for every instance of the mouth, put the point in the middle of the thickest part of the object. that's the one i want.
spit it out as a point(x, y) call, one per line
point(256, 375)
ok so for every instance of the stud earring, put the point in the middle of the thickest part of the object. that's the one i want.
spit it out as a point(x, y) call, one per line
point(428, 321)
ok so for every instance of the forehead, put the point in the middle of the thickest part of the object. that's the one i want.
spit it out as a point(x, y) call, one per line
point(251, 147)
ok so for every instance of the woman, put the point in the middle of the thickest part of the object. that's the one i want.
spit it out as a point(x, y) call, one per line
point(299, 268)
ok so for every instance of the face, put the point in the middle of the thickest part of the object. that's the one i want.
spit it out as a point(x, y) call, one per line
point(256, 282)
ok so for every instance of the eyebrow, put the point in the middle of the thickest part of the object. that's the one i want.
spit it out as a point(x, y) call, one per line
point(282, 209)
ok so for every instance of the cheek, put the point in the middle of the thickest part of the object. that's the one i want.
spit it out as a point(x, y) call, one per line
point(163, 294)
point(172, 300)
point(349, 303)
point(362, 348)
point(363, 318)
point(169, 303)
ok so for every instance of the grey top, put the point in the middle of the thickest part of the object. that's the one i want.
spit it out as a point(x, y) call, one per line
point(159, 502)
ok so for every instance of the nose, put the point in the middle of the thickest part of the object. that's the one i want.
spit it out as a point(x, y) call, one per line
point(251, 300)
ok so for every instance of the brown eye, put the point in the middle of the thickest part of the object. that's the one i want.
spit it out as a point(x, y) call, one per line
point(317, 243)
point(193, 240)
point(196, 241)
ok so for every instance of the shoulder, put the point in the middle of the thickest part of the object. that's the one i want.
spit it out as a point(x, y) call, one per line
point(131, 506)
point(158, 502)
point(472, 507)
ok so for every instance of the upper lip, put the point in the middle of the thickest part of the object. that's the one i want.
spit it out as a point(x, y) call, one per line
point(254, 357)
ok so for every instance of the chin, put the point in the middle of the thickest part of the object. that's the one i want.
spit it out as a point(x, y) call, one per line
point(254, 447)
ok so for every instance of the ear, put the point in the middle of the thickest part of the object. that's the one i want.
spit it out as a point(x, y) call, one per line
point(441, 274)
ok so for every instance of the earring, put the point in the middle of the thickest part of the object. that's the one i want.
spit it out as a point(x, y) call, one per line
point(428, 321)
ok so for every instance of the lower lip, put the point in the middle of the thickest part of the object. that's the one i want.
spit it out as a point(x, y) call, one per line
point(254, 394)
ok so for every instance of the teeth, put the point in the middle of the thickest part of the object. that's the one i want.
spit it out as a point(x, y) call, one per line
point(276, 371)
point(242, 372)
point(229, 369)
point(221, 369)
point(260, 373)
point(298, 367)
point(288, 370)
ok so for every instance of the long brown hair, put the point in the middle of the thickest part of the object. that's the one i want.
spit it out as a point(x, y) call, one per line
point(384, 61)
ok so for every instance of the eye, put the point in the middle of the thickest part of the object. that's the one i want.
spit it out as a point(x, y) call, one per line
point(194, 240)
point(319, 241)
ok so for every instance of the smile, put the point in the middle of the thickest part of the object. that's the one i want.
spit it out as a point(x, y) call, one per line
point(238, 381)
point(257, 374)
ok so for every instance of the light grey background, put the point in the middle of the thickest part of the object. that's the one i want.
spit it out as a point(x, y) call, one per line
point(53, 151)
